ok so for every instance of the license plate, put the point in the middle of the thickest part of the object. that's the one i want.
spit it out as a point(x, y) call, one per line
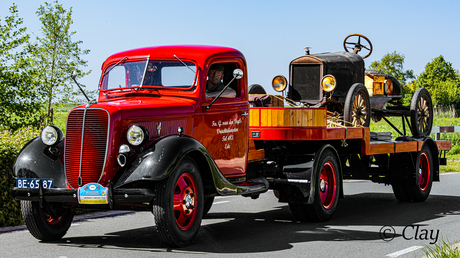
point(92, 193)
point(34, 183)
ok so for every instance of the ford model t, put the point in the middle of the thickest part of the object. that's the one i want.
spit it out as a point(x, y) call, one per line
point(352, 94)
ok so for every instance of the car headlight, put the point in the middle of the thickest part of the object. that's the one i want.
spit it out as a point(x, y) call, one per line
point(137, 135)
point(51, 135)
point(328, 83)
point(279, 83)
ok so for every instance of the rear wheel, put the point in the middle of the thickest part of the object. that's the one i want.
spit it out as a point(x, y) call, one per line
point(419, 191)
point(325, 191)
point(178, 206)
point(48, 223)
point(421, 113)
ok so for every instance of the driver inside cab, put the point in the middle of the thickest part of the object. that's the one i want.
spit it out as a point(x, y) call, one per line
point(214, 85)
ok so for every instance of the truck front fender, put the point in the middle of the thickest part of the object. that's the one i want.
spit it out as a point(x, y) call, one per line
point(162, 157)
point(37, 160)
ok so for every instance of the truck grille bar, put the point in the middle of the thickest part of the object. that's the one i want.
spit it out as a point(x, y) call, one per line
point(86, 145)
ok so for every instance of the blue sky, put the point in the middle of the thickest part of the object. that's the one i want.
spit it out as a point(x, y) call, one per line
point(269, 33)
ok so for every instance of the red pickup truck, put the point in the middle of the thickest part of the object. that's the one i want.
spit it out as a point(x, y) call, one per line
point(154, 140)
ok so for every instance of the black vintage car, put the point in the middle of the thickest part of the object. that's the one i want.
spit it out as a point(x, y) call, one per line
point(352, 94)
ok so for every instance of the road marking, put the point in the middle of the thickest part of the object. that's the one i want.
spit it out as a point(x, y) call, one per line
point(405, 251)
point(220, 202)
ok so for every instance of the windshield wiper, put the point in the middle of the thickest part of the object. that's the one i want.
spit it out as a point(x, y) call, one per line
point(184, 64)
point(106, 72)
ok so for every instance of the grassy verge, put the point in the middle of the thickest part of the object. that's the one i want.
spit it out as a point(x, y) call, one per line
point(442, 249)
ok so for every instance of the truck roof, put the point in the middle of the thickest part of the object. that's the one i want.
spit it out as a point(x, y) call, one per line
point(198, 53)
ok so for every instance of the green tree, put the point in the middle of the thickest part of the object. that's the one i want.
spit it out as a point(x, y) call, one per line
point(20, 102)
point(442, 81)
point(57, 56)
point(393, 64)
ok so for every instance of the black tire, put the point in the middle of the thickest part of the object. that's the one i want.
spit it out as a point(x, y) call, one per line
point(400, 191)
point(421, 113)
point(396, 84)
point(420, 188)
point(44, 226)
point(178, 206)
point(357, 110)
point(325, 197)
point(256, 89)
point(207, 205)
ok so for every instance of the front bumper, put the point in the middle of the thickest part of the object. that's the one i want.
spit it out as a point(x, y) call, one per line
point(118, 198)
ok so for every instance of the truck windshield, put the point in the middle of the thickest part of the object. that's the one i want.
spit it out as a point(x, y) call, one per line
point(149, 73)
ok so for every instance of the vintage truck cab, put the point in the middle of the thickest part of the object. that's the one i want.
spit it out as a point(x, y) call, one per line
point(152, 140)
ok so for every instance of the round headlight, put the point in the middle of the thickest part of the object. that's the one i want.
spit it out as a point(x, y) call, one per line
point(388, 87)
point(137, 135)
point(51, 135)
point(279, 83)
point(328, 83)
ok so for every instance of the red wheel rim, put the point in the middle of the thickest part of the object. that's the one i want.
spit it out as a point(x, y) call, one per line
point(327, 185)
point(424, 172)
point(53, 220)
point(185, 201)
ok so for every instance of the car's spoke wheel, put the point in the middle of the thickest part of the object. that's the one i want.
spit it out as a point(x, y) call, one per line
point(421, 113)
point(178, 206)
point(357, 111)
point(46, 224)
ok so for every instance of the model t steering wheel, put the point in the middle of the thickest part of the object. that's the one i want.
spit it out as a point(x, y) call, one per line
point(353, 44)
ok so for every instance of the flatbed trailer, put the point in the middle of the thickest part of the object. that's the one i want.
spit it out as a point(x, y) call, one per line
point(304, 145)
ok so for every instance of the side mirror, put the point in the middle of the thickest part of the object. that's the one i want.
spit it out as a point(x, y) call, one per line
point(238, 74)
point(73, 75)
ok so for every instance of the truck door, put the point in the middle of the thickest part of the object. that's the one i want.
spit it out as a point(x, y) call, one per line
point(225, 125)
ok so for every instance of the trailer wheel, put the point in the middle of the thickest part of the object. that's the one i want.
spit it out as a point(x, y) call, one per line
point(421, 113)
point(178, 206)
point(325, 191)
point(357, 110)
point(420, 191)
point(46, 224)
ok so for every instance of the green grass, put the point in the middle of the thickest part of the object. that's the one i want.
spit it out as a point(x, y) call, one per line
point(444, 249)
point(453, 156)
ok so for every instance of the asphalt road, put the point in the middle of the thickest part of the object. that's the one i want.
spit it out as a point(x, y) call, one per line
point(369, 222)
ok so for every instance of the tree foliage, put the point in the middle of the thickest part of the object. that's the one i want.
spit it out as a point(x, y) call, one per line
point(393, 64)
point(57, 55)
point(442, 81)
point(20, 102)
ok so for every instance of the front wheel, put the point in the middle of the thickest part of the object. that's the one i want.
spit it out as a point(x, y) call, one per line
point(48, 223)
point(357, 110)
point(178, 206)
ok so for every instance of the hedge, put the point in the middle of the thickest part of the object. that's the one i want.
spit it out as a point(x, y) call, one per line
point(10, 145)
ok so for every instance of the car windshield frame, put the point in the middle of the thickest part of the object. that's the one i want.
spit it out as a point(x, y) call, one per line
point(153, 73)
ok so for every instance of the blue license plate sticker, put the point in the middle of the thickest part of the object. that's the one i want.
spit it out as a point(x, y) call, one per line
point(92, 193)
point(34, 183)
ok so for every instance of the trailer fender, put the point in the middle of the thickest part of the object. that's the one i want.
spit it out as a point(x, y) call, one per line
point(316, 169)
point(37, 160)
point(161, 158)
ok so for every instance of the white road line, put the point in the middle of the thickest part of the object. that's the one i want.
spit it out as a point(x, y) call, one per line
point(405, 251)
point(220, 202)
